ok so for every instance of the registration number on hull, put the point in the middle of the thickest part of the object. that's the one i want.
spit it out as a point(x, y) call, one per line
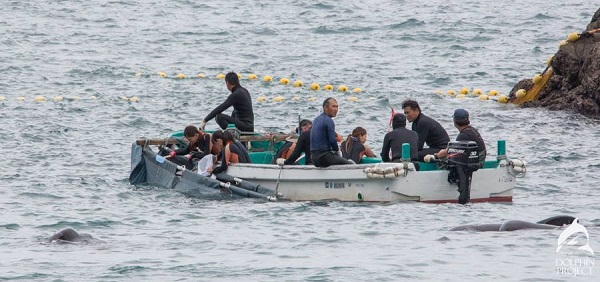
point(341, 185)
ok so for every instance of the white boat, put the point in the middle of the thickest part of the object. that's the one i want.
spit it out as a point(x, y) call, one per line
point(402, 182)
point(365, 182)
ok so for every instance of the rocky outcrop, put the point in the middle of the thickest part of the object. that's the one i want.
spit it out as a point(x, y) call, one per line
point(575, 84)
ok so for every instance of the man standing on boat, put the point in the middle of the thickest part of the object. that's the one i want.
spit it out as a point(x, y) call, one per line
point(428, 130)
point(323, 138)
point(242, 116)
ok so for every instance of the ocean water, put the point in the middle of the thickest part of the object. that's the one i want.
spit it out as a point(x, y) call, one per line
point(65, 162)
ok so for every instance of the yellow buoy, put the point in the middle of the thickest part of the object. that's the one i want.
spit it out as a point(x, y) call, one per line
point(76, 98)
point(134, 99)
point(461, 96)
point(278, 99)
point(493, 93)
point(484, 97)
point(451, 92)
point(477, 92)
point(2, 98)
point(328, 87)
point(295, 98)
point(284, 81)
point(252, 76)
point(464, 91)
point(267, 78)
point(59, 98)
point(239, 76)
point(162, 74)
point(220, 76)
point(536, 78)
point(549, 60)
point(356, 90)
point(124, 98)
point(312, 99)
point(353, 99)
point(39, 99)
point(201, 75)
point(439, 92)
point(298, 83)
point(20, 98)
point(520, 93)
point(180, 75)
point(502, 99)
point(573, 36)
point(261, 99)
point(342, 88)
point(315, 86)
point(562, 43)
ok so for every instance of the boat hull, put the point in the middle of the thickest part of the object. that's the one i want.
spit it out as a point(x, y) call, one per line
point(352, 183)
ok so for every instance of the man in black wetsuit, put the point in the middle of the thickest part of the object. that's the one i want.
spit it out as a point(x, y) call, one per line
point(302, 145)
point(461, 174)
point(466, 133)
point(242, 116)
point(393, 140)
point(430, 132)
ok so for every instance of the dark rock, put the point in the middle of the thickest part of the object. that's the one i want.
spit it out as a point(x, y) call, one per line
point(575, 84)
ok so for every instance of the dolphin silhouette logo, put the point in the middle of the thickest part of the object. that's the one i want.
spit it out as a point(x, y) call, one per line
point(574, 228)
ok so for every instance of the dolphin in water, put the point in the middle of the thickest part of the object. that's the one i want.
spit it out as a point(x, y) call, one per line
point(512, 225)
point(70, 235)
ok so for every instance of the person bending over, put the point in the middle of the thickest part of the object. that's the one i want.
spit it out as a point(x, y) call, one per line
point(232, 152)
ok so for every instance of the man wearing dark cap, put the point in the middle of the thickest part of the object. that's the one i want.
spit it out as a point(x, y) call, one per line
point(430, 132)
point(242, 115)
point(466, 133)
point(296, 147)
point(394, 139)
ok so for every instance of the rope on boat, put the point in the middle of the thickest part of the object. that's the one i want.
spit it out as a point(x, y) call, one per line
point(377, 171)
point(519, 167)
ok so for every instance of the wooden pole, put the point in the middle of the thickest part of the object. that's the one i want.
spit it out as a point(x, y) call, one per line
point(243, 138)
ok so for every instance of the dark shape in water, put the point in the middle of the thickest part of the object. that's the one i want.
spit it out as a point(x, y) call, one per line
point(70, 235)
point(512, 225)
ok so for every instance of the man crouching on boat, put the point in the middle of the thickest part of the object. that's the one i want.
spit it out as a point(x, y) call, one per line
point(242, 116)
point(323, 138)
point(233, 151)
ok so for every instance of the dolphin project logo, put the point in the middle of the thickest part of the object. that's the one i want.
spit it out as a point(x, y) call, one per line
point(574, 261)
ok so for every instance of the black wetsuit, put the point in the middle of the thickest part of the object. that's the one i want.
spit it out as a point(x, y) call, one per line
point(469, 133)
point(235, 148)
point(393, 141)
point(430, 132)
point(302, 145)
point(355, 149)
point(242, 116)
point(202, 146)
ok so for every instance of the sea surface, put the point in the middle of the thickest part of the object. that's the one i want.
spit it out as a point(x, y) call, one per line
point(65, 161)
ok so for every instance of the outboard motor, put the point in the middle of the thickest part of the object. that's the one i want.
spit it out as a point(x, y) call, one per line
point(463, 160)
